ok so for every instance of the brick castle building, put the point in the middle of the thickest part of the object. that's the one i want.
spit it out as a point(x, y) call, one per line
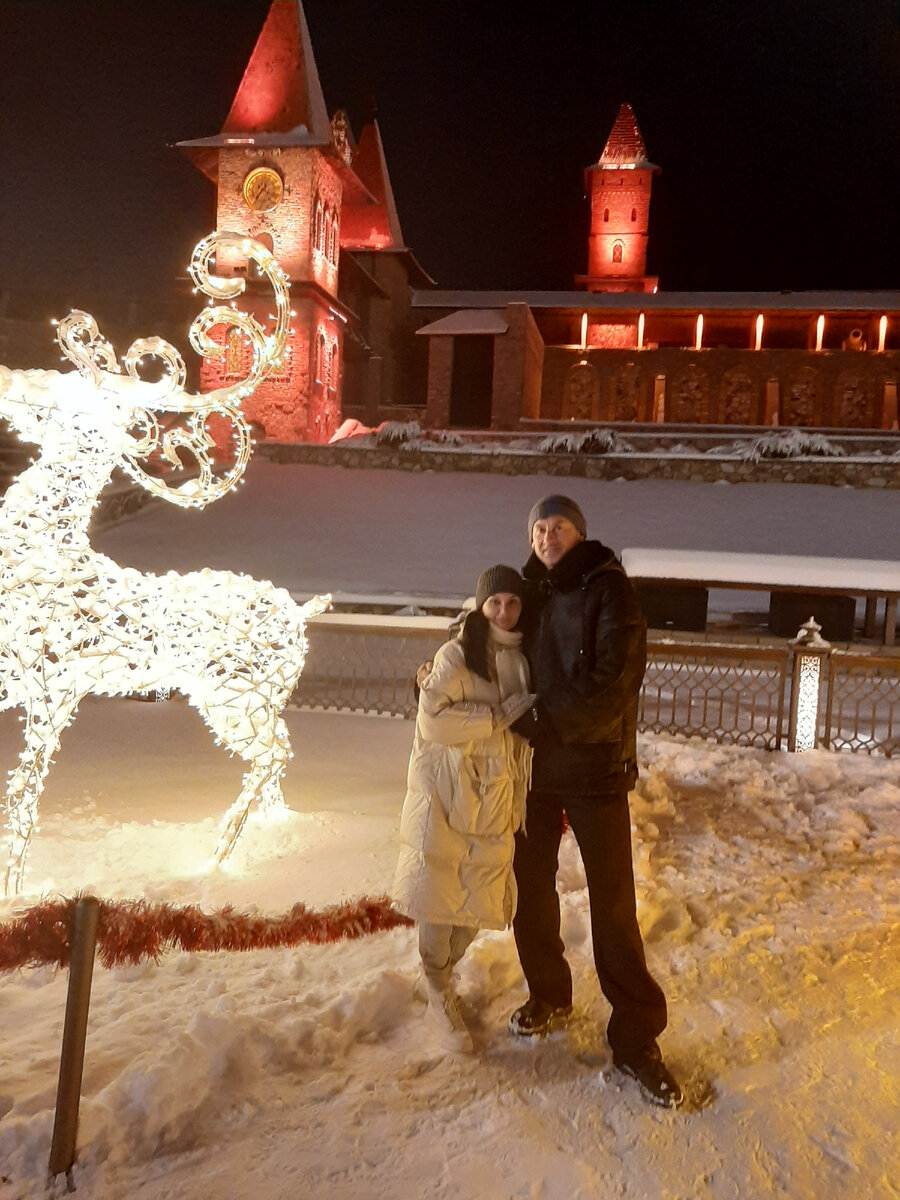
point(372, 338)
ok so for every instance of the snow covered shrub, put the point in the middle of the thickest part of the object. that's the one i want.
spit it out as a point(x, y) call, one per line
point(448, 437)
point(592, 441)
point(398, 433)
point(794, 444)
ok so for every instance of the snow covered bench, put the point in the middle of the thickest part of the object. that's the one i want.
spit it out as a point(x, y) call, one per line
point(834, 578)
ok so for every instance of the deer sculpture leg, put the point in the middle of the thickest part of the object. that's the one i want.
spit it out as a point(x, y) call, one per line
point(260, 737)
point(26, 783)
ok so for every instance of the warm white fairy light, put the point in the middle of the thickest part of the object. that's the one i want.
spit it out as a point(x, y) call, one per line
point(807, 701)
point(810, 649)
point(73, 622)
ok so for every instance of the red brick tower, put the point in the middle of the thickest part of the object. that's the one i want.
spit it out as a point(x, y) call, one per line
point(282, 173)
point(619, 184)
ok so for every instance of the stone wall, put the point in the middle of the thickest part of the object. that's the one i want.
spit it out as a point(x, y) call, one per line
point(838, 472)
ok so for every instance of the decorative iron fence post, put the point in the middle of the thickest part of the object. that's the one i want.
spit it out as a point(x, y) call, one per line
point(810, 651)
point(71, 1059)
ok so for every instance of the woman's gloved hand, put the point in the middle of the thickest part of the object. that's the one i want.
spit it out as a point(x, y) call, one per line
point(512, 708)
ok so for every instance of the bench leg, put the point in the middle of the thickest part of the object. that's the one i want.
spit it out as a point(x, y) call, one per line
point(871, 605)
point(890, 619)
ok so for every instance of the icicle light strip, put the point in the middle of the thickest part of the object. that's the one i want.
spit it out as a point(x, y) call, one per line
point(129, 931)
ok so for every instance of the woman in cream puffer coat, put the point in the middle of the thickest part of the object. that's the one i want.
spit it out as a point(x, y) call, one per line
point(468, 777)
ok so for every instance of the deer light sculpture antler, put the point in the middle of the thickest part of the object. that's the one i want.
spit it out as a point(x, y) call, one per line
point(81, 343)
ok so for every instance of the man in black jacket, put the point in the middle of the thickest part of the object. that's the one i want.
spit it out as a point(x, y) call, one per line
point(586, 642)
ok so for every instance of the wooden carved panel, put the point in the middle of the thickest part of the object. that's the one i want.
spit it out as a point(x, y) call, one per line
point(738, 398)
point(690, 397)
point(853, 401)
point(581, 398)
point(629, 388)
point(799, 406)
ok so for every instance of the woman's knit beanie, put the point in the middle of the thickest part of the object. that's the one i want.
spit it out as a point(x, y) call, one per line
point(557, 506)
point(498, 579)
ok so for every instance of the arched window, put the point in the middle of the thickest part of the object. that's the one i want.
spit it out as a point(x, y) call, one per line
point(606, 214)
point(335, 368)
point(264, 239)
point(319, 238)
point(320, 358)
point(235, 353)
point(617, 252)
point(336, 244)
point(634, 214)
point(329, 236)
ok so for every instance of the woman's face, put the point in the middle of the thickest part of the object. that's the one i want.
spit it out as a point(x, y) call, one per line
point(503, 609)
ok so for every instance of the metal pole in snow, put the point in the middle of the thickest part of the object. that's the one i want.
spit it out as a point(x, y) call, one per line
point(71, 1059)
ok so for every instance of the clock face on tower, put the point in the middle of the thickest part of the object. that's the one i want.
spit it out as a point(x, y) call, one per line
point(262, 189)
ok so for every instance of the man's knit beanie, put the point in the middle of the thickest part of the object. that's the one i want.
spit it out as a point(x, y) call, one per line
point(498, 579)
point(557, 506)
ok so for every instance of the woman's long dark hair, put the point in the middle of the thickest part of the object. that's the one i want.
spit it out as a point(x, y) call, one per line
point(473, 638)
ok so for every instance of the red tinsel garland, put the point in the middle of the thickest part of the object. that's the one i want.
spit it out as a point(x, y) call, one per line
point(131, 930)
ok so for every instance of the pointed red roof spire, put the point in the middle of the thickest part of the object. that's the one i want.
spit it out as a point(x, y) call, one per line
point(624, 146)
point(280, 90)
point(372, 226)
point(279, 101)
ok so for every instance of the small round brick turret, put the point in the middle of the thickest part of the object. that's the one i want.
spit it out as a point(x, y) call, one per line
point(619, 185)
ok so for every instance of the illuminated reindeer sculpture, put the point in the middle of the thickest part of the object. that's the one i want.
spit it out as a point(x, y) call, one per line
point(75, 623)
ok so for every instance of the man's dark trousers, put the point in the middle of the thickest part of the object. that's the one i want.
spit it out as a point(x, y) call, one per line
point(602, 827)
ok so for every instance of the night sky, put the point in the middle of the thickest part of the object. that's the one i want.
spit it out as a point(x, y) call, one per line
point(775, 124)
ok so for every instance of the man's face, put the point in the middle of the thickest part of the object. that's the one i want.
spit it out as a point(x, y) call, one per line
point(552, 537)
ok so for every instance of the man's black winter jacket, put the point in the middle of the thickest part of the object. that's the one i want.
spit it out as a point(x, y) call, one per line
point(586, 641)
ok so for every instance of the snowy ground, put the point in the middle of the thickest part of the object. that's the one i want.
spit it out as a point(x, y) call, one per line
point(768, 892)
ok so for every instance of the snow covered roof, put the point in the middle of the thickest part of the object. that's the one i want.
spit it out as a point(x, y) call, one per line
point(472, 320)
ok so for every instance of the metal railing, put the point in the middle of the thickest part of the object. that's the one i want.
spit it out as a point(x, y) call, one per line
point(736, 695)
point(740, 695)
point(862, 703)
point(366, 664)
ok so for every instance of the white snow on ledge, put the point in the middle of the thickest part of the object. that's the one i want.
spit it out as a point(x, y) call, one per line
point(388, 623)
point(855, 575)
